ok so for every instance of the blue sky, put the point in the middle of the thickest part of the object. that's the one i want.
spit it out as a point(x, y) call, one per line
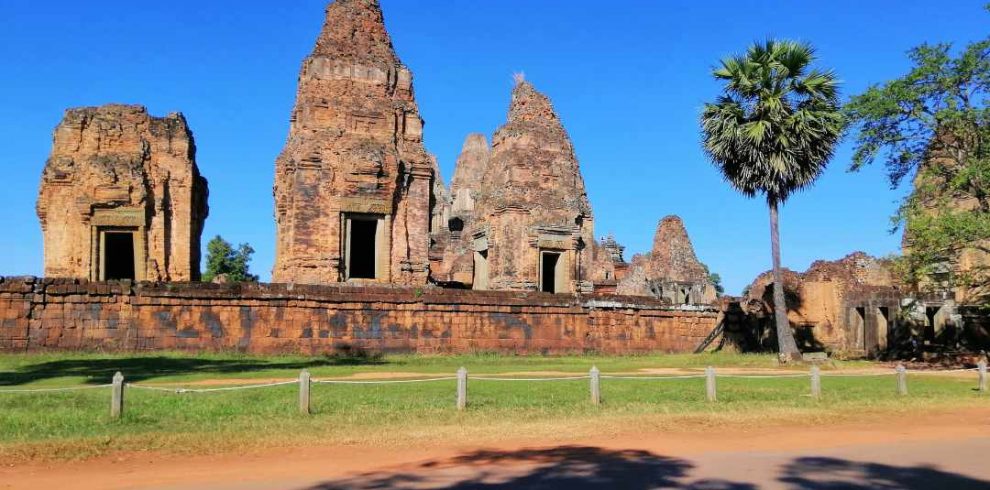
point(628, 78)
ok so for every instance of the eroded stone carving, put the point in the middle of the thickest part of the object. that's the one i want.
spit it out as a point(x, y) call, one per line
point(534, 228)
point(354, 184)
point(671, 270)
point(121, 197)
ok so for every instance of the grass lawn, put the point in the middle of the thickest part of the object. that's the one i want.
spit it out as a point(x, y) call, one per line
point(77, 424)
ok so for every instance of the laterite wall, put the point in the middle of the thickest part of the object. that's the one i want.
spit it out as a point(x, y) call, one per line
point(40, 314)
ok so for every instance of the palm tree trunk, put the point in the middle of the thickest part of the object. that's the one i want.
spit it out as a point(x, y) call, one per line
point(785, 338)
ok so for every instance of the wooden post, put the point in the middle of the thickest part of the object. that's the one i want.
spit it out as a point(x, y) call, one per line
point(816, 382)
point(117, 396)
point(982, 370)
point(710, 384)
point(305, 383)
point(461, 388)
point(901, 380)
point(596, 386)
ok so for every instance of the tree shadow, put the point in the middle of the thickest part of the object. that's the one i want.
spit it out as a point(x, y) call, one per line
point(820, 473)
point(142, 368)
point(565, 467)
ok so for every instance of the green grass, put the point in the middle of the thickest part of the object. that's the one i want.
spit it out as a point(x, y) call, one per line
point(77, 424)
point(67, 369)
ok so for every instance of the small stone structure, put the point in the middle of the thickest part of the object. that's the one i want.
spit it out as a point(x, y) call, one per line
point(258, 318)
point(121, 197)
point(671, 271)
point(354, 184)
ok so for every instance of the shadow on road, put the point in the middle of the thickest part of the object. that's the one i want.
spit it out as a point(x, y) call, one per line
point(842, 474)
point(583, 467)
point(566, 467)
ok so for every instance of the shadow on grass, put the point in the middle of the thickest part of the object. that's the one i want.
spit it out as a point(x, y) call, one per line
point(566, 467)
point(142, 368)
point(819, 473)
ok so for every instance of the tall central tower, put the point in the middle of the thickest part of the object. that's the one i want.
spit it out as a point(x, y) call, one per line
point(353, 183)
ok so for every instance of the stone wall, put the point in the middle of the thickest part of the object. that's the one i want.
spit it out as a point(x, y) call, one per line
point(260, 318)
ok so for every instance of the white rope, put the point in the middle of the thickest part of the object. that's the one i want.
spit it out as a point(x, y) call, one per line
point(568, 378)
point(209, 390)
point(686, 376)
point(389, 382)
point(762, 376)
point(52, 390)
point(843, 375)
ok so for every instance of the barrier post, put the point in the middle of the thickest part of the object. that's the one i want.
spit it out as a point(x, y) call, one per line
point(710, 384)
point(816, 382)
point(982, 369)
point(305, 383)
point(902, 388)
point(461, 388)
point(596, 388)
point(117, 397)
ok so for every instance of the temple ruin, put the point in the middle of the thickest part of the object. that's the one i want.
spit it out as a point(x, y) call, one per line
point(354, 184)
point(532, 227)
point(671, 270)
point(121, 197)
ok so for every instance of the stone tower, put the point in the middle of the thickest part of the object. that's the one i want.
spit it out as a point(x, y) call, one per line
point(353, 183)
point(454, 260)
point(671, 271)
point(121, 197)
point(535, 227)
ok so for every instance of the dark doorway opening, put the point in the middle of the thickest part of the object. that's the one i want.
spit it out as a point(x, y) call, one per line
point(883, 327)
point(118, 256)
point(549, 276)
point(363, 246)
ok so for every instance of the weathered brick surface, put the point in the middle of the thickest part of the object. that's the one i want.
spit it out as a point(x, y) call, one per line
point(260, 318)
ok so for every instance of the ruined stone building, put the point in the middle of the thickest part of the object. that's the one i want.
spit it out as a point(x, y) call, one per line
point(354, 183)
point(121, 197)
point(671, 270)
point(852, 304)
point(528, 224)
point(609, 265)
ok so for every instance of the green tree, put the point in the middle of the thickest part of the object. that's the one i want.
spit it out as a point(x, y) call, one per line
point(716, 280)
point(934, 123)
point(772, 132)
point(221, 258)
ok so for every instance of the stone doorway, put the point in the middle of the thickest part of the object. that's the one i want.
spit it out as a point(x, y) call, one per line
point(117, 255)
point(363, 242)
point(553, 272)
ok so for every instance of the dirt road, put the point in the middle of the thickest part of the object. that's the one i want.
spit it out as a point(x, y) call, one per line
point(946, 450)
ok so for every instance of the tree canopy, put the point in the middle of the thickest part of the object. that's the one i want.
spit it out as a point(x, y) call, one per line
point(775, 126)
point(933, 123)
point(223, 259)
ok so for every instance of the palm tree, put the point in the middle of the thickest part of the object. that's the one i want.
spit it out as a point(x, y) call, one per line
point(772, 132)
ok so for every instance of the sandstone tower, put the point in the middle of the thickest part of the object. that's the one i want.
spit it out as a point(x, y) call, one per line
point(353, 183)
point(121, 197)
point(535, 228)
point(671, 270)
point(453, 248)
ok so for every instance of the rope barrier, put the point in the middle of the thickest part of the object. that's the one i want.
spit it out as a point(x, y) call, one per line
point(208, 390)
point(686, 376)
point(388, 382)
point(567, 378)
point(52, 390)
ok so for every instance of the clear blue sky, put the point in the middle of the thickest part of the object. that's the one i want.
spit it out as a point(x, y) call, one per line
point(628, 78)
